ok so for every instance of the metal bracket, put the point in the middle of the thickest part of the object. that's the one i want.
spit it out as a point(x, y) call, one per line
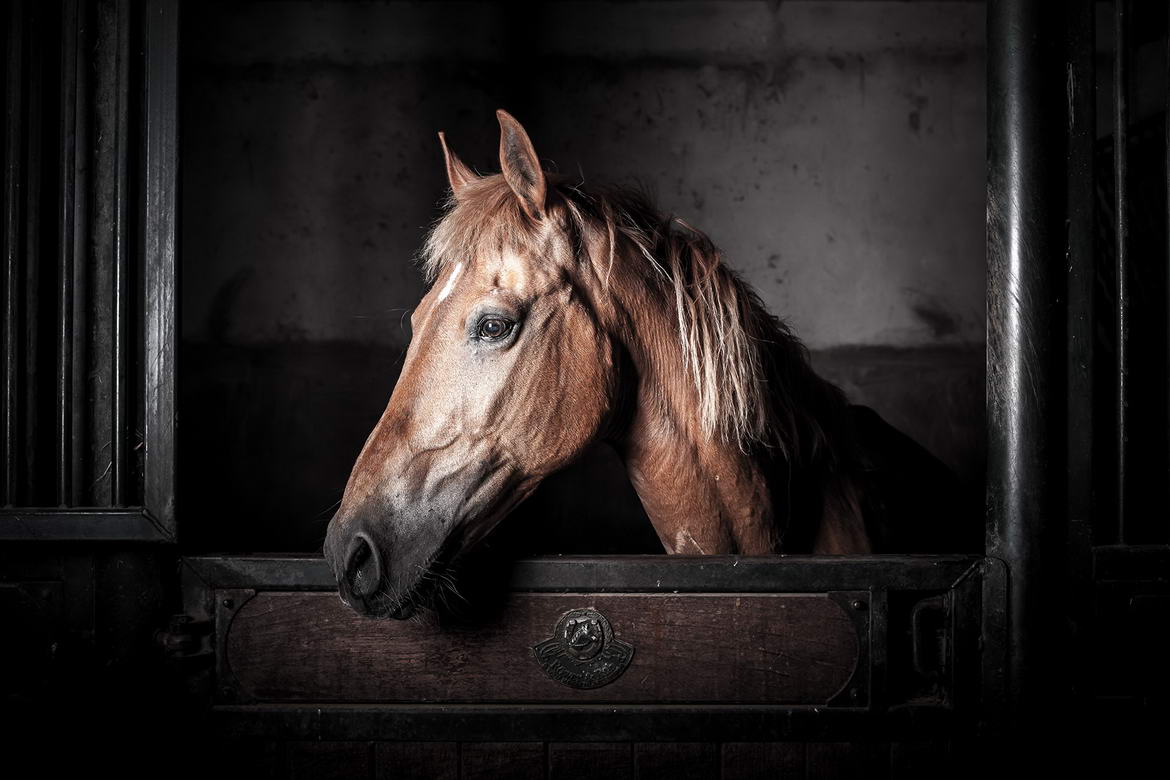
point(227, 605)
point(931, 637)
point(856, 692)
point(182, 639)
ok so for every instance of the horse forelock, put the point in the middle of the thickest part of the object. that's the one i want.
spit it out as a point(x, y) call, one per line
point(749, 372)
point(485, 220)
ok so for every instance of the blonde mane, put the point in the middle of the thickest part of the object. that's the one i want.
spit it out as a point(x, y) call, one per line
point(750, 373)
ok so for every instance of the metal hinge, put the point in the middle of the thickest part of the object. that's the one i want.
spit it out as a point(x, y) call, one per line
point(185, 638)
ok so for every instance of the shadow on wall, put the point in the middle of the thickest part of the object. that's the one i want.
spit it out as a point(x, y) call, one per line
point(270, 434)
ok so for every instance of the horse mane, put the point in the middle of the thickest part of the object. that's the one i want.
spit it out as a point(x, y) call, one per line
point(752, 375)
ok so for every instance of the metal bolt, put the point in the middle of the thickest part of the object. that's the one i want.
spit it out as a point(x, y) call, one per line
point(857, 604)
point(854, 694)
point(228, 603)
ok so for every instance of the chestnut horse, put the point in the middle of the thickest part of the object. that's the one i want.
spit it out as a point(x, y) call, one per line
point(559, 316)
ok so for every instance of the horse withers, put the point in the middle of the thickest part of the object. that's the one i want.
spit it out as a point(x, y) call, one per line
point(559, 316)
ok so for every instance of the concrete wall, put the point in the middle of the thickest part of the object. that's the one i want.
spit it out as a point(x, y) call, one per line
point(833, 149)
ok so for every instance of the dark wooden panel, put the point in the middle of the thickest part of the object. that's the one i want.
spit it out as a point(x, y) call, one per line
point(323, 760)
point(688, 648)
point(503, 760)
point(848, 759)
point(763, 759)
point(251, 758)
point(560, 722)
point(910, 760)
point(676, 760)
point(417, 760)
point(581, 760)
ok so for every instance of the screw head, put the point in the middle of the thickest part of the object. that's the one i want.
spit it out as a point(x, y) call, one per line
point(228, 603)
point(858, 604)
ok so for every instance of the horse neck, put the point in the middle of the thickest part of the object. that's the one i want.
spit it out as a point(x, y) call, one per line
point(707, 495)
point(703, 495)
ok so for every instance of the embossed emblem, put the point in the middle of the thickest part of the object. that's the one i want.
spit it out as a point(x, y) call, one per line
point(583, 652)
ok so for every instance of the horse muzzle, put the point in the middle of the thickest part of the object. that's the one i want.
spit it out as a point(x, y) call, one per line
point(362, 574)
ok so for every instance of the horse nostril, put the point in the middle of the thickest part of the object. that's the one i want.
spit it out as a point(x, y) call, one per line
point(362, 568)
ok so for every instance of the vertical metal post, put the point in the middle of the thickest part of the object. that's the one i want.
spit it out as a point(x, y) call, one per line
point(1025, 227)
point(161, 269)
point(82, 321)
point(1166, 292)
point(67, 229)
point(13, 194)
point(108, 280)
point(121, 261)
point(1121, 216)
point(1080, 425)
point(29, 365)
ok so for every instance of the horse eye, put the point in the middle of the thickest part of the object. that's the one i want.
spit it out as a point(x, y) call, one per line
point(493, 329)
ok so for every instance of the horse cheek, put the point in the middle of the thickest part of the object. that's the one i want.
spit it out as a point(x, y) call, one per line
point(586, 400)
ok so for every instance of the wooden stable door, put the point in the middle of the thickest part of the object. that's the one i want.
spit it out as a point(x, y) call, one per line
point(613, 649)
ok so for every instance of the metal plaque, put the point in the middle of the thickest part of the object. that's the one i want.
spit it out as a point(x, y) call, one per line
point(583, 652)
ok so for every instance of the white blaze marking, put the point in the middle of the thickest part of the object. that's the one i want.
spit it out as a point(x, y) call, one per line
point(683, 540)
point(451, 281)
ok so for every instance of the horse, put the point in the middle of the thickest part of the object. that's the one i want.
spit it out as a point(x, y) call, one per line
point(560, 315)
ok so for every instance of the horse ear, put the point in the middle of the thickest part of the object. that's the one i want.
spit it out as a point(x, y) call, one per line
point(458, 174)
point(521, 166)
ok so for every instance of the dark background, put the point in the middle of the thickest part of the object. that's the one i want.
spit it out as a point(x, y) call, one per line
point(835, 151)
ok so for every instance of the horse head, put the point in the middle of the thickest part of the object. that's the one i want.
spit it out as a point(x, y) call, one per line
point(509, 375)
point(557, 317)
